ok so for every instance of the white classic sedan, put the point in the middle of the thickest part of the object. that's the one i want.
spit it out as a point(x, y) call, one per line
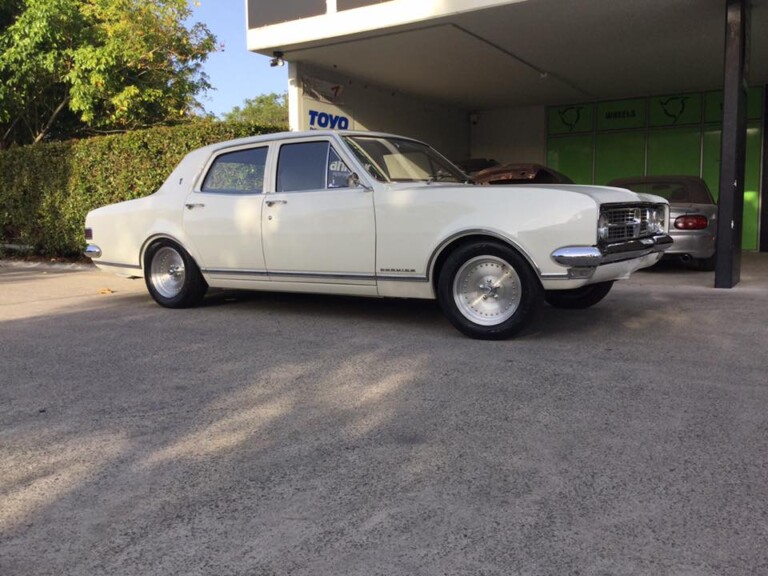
point(368, 214)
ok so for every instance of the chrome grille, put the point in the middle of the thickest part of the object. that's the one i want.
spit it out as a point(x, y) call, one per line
point(626, 222)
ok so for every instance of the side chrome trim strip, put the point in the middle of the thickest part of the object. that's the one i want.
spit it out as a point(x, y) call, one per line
point(402, 278)
point(326, 275)
point(118, 265)
point(282, 275)
point(234, 272)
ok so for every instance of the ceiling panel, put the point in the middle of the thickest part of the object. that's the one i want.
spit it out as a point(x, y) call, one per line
point(549, 51)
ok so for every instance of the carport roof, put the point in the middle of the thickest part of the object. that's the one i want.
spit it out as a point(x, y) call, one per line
point(541, 51)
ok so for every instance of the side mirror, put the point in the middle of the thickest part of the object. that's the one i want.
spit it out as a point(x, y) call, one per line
point(353, 181)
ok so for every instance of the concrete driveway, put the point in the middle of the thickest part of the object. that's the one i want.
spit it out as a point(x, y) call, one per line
point(267, 434)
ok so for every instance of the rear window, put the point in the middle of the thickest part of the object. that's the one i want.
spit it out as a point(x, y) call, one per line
point(675, 192)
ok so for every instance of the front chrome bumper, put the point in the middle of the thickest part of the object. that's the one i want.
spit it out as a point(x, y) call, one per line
point(593, 256)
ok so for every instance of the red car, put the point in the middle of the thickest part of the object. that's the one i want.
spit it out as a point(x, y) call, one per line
point(520, 174)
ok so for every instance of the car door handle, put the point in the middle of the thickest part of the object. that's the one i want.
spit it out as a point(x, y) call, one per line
point(194, 205)
point(273, 202)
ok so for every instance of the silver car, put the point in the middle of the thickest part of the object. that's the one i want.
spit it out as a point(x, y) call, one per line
point(693, 215)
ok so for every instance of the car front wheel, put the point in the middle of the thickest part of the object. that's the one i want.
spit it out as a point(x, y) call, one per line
point(578, 298)
point(488, 291)
point(172, 277)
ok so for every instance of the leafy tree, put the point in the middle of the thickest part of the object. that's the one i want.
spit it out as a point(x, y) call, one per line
point(265, 110)
point(68, 66)
point(9, 10)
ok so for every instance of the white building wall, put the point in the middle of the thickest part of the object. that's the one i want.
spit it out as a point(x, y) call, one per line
point(320, 98)
point(297, 29)
point(510, 135)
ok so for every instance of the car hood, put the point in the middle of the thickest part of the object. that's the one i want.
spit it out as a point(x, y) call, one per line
point(600, 194)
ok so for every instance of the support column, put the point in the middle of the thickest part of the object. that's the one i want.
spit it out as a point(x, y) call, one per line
point(295, 98)
point(763, 240)
point(733, 147)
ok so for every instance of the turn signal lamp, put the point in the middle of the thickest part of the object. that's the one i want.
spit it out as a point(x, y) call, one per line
point(602, 227)
point(692, 222)
point(88, 234)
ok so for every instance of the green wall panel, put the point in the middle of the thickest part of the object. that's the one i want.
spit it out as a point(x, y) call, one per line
point(572, 155)
point(675, 110)
point(711, 174)
point(711, 164)
point(619, 155)
point(571, 119)
point(675, 151)
point(749, 236)
point(671, 134)
point(621, 114)
point(713, 107)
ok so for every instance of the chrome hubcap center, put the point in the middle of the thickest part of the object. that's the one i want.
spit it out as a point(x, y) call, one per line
point(489, 289)
point(167, 272)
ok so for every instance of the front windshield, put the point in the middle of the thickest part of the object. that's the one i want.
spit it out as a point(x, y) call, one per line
point(390, 159)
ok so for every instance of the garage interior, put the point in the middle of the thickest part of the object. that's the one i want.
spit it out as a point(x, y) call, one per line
point(597, 89)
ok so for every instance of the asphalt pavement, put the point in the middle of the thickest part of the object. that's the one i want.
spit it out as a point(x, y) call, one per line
point(277, 434)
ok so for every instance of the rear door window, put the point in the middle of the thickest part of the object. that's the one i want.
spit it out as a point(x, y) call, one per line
point(240, 172)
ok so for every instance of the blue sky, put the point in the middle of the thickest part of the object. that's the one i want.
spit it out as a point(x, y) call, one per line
point(235, 73)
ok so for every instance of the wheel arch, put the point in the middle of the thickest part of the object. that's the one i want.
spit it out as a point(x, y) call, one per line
point(156, 238)
point(450, 244)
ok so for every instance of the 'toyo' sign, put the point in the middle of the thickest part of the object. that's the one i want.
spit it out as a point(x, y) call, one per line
point(319, 119)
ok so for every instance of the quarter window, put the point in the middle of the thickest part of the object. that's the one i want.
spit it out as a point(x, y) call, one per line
point(240, 172)
point(338, 172)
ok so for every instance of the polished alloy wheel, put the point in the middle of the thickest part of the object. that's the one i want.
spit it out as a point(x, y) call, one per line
point(167, 272)
point(487, 290)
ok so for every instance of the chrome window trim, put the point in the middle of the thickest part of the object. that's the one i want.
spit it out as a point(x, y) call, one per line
point(203, 174)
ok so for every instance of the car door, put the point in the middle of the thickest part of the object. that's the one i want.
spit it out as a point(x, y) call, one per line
point(316, 227)
point(222, 216)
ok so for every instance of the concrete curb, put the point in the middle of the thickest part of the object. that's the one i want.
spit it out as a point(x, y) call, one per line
point(64, 266)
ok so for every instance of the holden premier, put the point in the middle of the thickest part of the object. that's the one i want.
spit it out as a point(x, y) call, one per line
point(368, 214)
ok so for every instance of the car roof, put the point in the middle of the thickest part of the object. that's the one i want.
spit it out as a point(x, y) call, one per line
point(264, 138)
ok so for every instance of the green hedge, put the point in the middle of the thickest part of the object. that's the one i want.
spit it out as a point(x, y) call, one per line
point(48, 189)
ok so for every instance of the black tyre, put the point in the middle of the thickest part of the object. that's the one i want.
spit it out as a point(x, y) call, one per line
point(172, 277)
point(578, 298)
point(488, 291)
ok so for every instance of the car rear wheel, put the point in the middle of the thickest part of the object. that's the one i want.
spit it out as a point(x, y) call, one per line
point(172, 277)
point(578, 298)
point(488, 291)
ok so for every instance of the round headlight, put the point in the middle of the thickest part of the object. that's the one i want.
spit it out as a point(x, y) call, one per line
point(655, 220)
